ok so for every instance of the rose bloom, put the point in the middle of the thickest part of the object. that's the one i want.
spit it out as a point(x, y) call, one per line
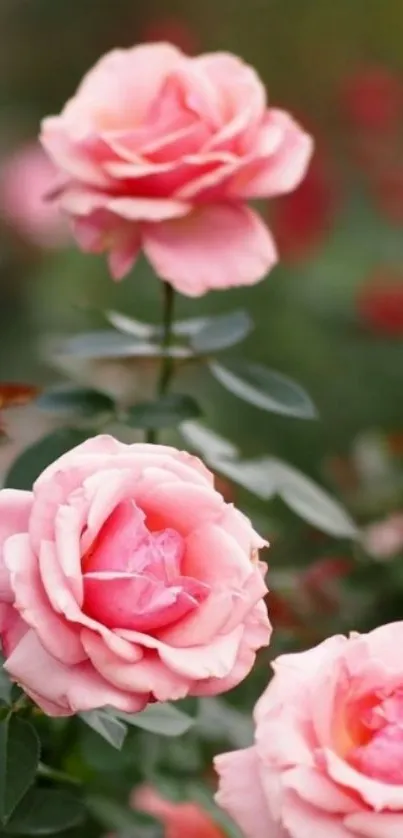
point(26, 176)
point(328, 755)
point(160, 151)
point(384, 539)
point(125, 578)
point(179, 819)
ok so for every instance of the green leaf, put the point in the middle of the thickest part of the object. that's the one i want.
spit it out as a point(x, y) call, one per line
point(187, 328)
point(111, 344)
point(264, 388)
point(19, 758)
point(114, 816)
point(207, 443)
point(312, 503)
point(6, 686)
point(46, 812)
point(167, 412)
point(29, 465)
point(107, 725)
point(163, 719)
point(221, 332)
point(257, 476)
point(75, 401)
point(130, 326)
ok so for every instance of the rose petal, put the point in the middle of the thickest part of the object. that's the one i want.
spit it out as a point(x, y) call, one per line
point(240, 793)
point(215, 247)
point(15, 509)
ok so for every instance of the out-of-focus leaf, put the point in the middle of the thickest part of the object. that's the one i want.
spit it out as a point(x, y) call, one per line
point(46, 812)
point(114, 816)
point(257, 476)
point(107, 725)
point(207, 443)
point(168, 411)
point(130, 326)
point(222, 332)
point(189, 327)
point(33, 460)
point(13, 394)
point(264, 388)
point(312, 503)
point(6, 685)
point(111, 344)
point(67, 399)
point(217, 720)
point(19, 758)
point(164, 719)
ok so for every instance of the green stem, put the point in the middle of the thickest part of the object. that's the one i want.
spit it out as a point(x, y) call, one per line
point(167, 366)
point(57, 776)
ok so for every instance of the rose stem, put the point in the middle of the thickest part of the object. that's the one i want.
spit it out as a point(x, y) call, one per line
point(167, 366)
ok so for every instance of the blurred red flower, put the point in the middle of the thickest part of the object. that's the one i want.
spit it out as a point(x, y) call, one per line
point(301, 219)
point(173, 30)
point(379, 302)
point(371, 99)
point(320, 582)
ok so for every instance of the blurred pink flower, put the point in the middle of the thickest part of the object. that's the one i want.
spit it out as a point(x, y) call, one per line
point(327, 760)
point(161, 152)
point(384, 539)
point(26, 178)
point(372, 99)
point(181, 820)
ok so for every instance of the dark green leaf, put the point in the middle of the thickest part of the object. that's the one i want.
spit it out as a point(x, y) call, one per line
point(264, 388)
point(6, 686)
point(46, 812)
point(168, 412)
point(164, 719)
point(221, 332)
point(75, 401)
point(19, 757)
point(29, 465)
point(107, 725)
point(312, 503)
point(114, 816)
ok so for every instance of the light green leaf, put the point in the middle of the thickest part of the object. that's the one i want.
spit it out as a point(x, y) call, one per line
point(312, 503)
point(6, 686)
point(107, 725)
point(33, 460)
point(111, 344)
point(167, 412)
point(221, 332)
point(257, 476)
point(19, 758)
point(206, 442)
point(264, 388)
point(163, 719)
point(70, 400)
point(130, 326)
point(46, 812)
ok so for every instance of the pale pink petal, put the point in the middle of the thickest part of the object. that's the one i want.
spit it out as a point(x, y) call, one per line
point(67, 689)
point(283, 170)
point(375, 794)
point(74, 159)
point(182, 506)
point(82, 201)
point(305, 821)
point(215, 247)
point(58, 637)
point(15, 509)
point(314, 787)
point(12, 628)
point(147, 675)
point(229, 565)
point(240, 794)
point(375, 824)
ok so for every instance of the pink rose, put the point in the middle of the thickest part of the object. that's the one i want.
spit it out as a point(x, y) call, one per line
point(25, 179)
point(160, 151)
point(384, 539)
point(181, 820)
point(125, 578)
point(328, 755)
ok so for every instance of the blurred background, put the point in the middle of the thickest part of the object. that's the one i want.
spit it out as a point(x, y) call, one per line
point(330, 315)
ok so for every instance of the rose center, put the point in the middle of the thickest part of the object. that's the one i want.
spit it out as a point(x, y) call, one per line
point(379, 754)
point(132, 576)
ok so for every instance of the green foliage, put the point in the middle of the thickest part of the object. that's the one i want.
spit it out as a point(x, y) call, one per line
point(46, 812)
point(19, 758)
point(31, 462)
point(169, 411)
point(264, 388)
point(75, 402)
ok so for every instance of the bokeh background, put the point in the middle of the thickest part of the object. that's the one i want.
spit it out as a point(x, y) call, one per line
point(330, 315)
